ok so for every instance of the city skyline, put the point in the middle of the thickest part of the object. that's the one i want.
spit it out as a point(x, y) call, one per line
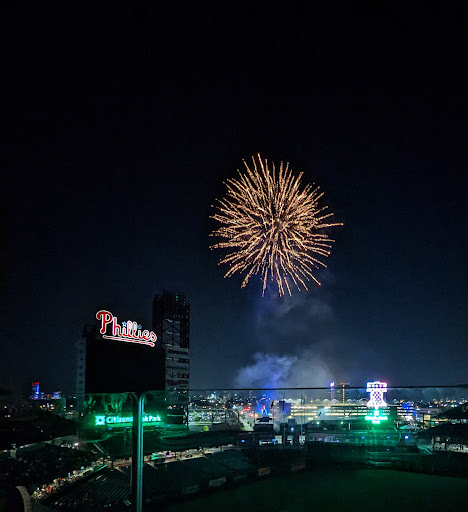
point(122, 130)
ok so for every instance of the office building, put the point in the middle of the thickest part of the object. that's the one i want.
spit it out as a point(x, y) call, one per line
point(171, 323)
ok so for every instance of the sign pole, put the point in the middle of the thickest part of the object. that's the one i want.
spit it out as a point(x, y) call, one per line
point(136, 481)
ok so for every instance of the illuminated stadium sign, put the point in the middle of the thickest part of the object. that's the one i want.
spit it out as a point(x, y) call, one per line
point(128, 331)
point(123, 421)
point(376, 417)
point(376, 392)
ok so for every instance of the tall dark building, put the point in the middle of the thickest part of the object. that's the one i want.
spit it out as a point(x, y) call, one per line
point(171, 323)
point(342, 395)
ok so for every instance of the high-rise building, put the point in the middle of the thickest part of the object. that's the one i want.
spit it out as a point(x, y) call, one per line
point(171, 323)
point(341, 391)
point(81, 362)
point(36, 393)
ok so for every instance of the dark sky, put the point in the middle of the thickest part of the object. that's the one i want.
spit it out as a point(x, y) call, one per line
point(120, 126)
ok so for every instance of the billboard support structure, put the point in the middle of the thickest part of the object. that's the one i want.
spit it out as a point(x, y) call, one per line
point(136, 481)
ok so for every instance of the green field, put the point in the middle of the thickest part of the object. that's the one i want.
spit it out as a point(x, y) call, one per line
point(360, 490)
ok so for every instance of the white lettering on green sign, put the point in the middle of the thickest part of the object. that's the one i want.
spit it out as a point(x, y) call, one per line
point(376, 418)
point(102, 420)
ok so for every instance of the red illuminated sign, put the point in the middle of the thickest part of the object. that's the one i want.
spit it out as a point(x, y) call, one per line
point(129, 331)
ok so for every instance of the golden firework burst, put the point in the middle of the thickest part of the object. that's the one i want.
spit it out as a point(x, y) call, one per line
point(274, 226)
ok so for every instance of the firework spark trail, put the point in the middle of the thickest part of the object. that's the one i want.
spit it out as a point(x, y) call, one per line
point(274, 226)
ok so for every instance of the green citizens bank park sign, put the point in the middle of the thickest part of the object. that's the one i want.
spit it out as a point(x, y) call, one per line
point(124, 421)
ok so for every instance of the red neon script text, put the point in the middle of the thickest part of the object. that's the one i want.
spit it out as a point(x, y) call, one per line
point(129, 331)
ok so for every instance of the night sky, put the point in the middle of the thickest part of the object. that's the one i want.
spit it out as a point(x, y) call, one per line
point(121, 125)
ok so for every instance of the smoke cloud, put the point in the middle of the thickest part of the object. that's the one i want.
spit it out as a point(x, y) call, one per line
point(296, 342)
point(267, 371)
point(283, 371)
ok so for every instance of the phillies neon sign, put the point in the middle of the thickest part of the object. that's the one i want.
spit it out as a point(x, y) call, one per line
point(129, 331)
